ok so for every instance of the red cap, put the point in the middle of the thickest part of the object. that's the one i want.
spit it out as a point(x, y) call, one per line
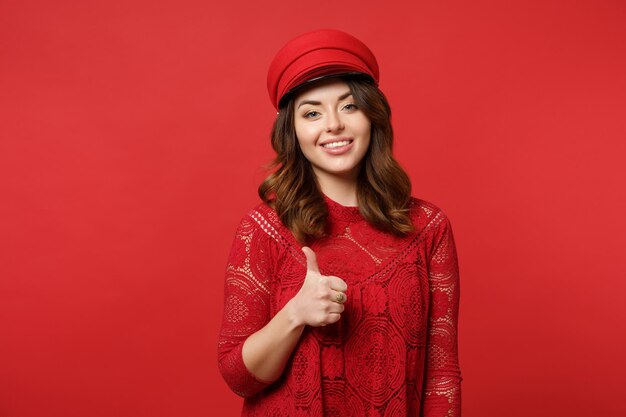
point(318, 54)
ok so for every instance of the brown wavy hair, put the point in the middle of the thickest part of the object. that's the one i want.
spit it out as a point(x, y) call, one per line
point(383, 187)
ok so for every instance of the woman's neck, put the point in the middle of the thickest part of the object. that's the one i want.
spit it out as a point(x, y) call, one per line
point(339, 189)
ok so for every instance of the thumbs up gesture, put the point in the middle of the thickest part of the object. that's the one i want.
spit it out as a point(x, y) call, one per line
point(321, 298)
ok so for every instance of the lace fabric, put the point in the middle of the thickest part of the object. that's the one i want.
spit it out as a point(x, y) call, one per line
point(394, 351)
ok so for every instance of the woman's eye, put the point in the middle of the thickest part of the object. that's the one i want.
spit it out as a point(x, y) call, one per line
point(350, 106)
point(311, 114)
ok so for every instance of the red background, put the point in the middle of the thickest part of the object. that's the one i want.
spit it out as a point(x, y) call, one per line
point(132, 139)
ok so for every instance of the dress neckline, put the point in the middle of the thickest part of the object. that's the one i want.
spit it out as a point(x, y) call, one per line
point(340, 212)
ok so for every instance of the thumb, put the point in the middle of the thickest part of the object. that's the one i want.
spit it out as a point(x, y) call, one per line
point(311, 259)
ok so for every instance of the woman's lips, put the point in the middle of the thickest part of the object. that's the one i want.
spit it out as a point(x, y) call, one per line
point(338, 150)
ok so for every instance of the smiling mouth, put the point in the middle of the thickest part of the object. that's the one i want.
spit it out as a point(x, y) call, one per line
point(337, 144)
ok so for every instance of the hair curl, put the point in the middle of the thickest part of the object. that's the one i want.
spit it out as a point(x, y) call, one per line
point(383, 188)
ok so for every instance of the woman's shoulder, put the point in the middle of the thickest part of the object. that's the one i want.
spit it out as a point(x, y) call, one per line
point(425, 214)
point(426, 206)
point(263, 217)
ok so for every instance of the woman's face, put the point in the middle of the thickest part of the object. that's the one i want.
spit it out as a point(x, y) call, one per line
point(333, 133)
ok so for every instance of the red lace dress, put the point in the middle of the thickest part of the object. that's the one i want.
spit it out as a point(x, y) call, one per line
point(394, 350)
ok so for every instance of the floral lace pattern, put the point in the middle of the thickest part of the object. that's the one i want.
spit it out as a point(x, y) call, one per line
point(394, 351)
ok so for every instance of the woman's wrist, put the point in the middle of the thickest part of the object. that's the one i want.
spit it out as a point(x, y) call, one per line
point(293, 314)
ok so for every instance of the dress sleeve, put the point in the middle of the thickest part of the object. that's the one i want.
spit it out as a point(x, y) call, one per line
point(442, 389)
point(246, 303)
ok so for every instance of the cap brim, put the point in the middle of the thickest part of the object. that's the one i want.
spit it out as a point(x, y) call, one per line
point(302, 86)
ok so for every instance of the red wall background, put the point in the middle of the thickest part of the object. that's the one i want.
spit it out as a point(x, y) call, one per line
point(132, 136)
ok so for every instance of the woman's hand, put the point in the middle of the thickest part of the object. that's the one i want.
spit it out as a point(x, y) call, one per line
point(320, 299)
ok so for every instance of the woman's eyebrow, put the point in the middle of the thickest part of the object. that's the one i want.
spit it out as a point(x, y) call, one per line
point(317, 103)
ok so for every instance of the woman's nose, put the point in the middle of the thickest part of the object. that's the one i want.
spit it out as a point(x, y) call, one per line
point(333, 122)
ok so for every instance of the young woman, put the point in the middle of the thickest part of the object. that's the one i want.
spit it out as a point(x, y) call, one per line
point(341, 290)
